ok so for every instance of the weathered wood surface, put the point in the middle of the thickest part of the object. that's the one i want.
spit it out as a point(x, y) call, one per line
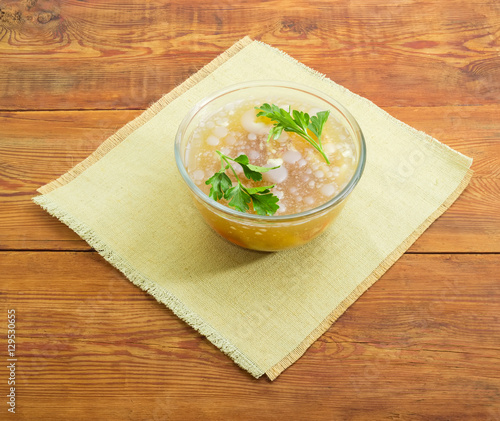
point(421, 344)
point(37, 147)
point(116, 54)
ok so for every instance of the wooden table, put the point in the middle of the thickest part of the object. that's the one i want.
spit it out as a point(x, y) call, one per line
point(422, 344)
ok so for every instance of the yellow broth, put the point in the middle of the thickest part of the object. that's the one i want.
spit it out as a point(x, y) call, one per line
point(303, 181)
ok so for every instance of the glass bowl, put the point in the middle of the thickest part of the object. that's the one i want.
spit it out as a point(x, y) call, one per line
point(277, 232)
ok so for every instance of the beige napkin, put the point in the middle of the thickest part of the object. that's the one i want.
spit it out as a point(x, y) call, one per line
point(262, 309)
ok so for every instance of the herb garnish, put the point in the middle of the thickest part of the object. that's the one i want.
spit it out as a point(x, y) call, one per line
point(296, 122)
point(239, 196)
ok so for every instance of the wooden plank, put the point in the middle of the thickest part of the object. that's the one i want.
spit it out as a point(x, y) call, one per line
point(37, 147)
point(474, 132)
point(112, 54)
point(34, 149)
point(422, 343)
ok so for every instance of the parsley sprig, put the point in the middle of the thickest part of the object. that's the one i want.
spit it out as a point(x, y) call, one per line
point(296, 122)
point(239, 196)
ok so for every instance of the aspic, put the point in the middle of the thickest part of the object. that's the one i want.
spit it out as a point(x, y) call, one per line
point(270, 160)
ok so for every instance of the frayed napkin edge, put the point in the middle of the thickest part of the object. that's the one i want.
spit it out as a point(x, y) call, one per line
point(143, 282)
point(167, 298)
point(142, 119)
point(428, 138)
point(392, 258)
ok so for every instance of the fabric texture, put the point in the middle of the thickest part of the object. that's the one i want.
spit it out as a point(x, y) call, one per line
point(264, 310)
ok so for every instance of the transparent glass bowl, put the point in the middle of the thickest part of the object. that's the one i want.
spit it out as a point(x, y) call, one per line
point(257, 232)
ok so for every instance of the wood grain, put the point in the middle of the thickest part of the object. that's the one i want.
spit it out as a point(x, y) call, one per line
point(114, 54)
point(422, 343)
point(37, 147)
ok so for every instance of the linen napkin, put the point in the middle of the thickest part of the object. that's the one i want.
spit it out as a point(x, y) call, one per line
point(264, 310)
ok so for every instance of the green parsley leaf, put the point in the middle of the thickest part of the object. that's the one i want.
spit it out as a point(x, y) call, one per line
point(242, 159)
point(275, 133)
point(265, 204)
point(220, 183)
point(296, 122)
point(252, 172)
point(255, 190)
point(317, 122)
point(239, 196)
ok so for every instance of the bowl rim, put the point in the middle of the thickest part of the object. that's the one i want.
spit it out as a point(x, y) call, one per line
point(273, 218)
